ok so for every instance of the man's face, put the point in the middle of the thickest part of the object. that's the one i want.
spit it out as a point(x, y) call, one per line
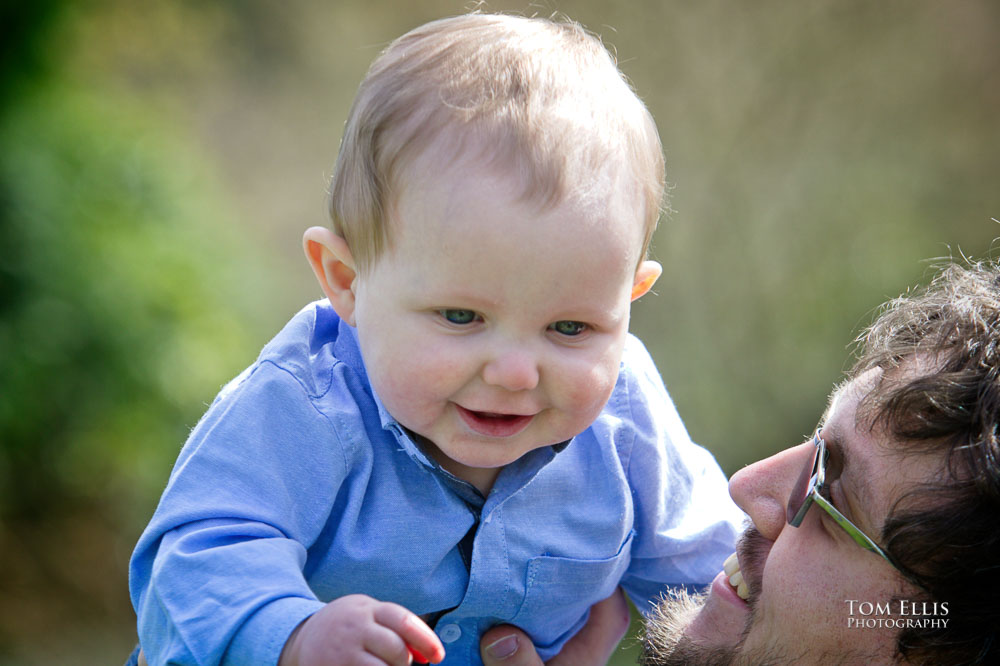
point(493, 326)
point(801, 579)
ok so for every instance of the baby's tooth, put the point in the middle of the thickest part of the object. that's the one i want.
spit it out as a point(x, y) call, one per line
point(736, 579)
point(731, 565)
point(743, 591)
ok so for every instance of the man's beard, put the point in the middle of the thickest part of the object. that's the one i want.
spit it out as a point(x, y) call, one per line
point(664, 642)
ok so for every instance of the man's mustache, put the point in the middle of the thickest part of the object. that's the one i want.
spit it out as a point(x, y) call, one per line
point(752, 550)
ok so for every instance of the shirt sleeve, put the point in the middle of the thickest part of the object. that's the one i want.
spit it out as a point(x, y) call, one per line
point(686, 524)
point(217, 576)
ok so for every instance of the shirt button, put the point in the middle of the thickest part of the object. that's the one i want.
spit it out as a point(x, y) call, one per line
point(450, 633)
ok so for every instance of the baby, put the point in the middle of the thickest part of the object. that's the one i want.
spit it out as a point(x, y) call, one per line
point(463, 433)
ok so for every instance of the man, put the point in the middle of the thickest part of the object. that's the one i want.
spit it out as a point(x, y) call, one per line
point(876, 540)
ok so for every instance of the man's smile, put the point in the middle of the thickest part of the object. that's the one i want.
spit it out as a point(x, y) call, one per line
point(732, 570)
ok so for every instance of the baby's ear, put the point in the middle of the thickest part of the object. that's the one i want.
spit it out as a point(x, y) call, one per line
point(645, 277)
point(333, 264)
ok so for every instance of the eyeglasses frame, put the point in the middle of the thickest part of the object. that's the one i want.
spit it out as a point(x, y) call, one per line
point(817, 478)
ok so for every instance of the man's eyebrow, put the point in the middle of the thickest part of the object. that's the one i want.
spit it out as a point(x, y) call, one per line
point(860, 478)
point(836, 394)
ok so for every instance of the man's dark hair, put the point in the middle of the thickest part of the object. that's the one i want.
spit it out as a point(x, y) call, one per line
point(939, 393)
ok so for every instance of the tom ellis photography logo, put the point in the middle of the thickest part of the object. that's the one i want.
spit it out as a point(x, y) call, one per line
point(898, 614)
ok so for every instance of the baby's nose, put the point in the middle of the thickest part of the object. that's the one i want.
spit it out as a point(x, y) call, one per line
point(513, 368)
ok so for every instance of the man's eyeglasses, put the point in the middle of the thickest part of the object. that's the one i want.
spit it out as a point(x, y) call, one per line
point(807, 492)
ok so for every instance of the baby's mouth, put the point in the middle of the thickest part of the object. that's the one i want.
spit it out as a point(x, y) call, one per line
point(494, 424)
point(732, 569)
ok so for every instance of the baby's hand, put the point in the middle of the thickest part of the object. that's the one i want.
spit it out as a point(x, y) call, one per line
point(357, 630)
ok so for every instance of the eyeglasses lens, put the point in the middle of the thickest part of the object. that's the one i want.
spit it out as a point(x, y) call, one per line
point(801, 488)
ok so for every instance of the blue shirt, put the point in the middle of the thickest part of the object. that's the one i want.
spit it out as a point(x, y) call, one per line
point(297, 487)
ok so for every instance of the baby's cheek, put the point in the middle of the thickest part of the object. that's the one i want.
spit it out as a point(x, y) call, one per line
point(418, 366)
point(438, 375)
point(589, 391)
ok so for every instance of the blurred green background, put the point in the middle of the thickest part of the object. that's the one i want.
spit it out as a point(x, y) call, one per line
point(160, 159)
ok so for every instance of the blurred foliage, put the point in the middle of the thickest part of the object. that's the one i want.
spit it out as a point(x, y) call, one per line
point(120, 300)
point(159, 160)
point(125, 302)
point(819, 155)
point(23, 57)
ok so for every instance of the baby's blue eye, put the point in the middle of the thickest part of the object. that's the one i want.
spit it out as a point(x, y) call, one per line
point(568, 327)
point(459, 316)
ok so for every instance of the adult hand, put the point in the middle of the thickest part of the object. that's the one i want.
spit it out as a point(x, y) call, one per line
point(505, 645)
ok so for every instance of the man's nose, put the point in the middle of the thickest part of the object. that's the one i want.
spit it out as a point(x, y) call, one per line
point(512, 367)
point(762, 489)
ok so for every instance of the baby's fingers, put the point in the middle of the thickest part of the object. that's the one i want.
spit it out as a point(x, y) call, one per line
point(414, 631)
point(386, 646)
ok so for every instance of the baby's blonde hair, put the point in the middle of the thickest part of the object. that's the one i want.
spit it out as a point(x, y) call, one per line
point(543, 98)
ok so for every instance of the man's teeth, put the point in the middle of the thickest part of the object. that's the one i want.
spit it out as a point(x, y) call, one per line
point(731, 565)
point(732, 568)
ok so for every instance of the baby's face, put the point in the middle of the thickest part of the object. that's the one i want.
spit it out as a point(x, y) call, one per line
point(492, 326)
